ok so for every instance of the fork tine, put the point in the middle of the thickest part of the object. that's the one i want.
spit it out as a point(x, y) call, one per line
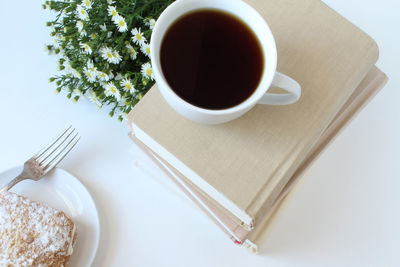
point(59, 149)
point(41, 152)
point(61, 154)
point(52, 153)
point(55, 146)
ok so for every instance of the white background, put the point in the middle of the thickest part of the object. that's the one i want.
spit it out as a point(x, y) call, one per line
point(344, 213)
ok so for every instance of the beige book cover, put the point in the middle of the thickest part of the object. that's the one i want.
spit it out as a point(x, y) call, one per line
point(369, 86)
point(367, 89)
point(245, 164)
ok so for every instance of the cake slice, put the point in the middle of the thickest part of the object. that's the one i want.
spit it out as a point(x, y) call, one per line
point(33, 234)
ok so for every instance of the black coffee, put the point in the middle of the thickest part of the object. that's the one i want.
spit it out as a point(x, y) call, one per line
point(211, 59)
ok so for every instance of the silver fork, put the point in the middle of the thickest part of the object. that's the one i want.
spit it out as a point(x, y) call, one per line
point(46, 159)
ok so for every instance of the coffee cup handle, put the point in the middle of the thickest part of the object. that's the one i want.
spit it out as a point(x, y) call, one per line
point(286, 83)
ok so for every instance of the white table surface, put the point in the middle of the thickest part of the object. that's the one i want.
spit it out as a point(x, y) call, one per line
point(344, 213)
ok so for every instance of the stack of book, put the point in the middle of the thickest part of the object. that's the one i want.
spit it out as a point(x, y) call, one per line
point(238, 172)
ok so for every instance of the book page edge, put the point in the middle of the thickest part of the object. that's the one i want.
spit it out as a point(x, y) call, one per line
point(194, 177)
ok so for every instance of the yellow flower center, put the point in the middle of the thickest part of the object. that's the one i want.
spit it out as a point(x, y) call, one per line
point(89, 74)
point(128, 86)
point(148, 50)
point(114, 13)
point(121, 23)
point(149, 72)
point(138, 36)
point(113, 89)
point(83, 12)
point(93, 35)
point(87, 3)
point(109, 55)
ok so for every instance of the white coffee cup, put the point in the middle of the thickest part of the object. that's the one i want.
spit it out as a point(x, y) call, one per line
point(270, 77)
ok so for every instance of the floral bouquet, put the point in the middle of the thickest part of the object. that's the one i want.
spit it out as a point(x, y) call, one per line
point(103, 49)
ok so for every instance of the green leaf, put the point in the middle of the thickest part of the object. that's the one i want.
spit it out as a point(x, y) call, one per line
point(64, 23)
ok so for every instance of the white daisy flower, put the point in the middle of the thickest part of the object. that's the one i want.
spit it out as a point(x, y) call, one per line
point(59, 37)
point(83, 33)
point(145, 49)
point(75, 73)
point(87, 4)
point(137, 36)
point(147, 71)
point(116, 57)
point(123, 101)
point(112, 11)
point(79, 25)
point(77, 92)
point(119, 76)
point(107, 54)
point(90, 76)
point(56, 43)
point(127, 84)
point(86, 48)
point(91, 66)
point(131, 51)
point(110, 55)
point(150, 23)
point(94, 99)
point(121, 24)
point(112, 90)
point(103, 84)
point(103, 27)
point(82, 13)
point(103, 76)
point(69, 69)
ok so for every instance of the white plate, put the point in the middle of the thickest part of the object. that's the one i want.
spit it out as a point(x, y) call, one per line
point(62, 191)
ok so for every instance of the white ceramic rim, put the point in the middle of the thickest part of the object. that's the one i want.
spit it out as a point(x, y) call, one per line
point(73, 182)
point(266, 40)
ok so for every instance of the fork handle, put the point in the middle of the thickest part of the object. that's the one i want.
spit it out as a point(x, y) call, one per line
point(13, 182)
